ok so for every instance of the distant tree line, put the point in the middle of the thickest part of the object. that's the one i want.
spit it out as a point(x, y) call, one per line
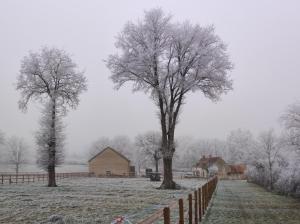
point(272, 159)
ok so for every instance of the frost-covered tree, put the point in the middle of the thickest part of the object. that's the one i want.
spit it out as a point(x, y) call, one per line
point(98, 145)
point(240, 145)
point(288, 181)
point(169, 61)
point(44, 135)
point(150, 143)
point(50, 76)
point(269, 147)
point(195, 149)
point(291, 121)
point(17, 151)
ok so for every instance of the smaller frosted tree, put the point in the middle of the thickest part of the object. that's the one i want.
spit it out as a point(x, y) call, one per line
point(50, 76)
point(16, 151)
point(150, 144)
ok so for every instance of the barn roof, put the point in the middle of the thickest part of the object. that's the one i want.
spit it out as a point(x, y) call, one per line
point(109, 148)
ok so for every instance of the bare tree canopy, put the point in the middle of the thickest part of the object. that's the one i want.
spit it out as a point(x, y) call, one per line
point(170, 60)
point(50, 76)
point(17, 151)
point(51, 73)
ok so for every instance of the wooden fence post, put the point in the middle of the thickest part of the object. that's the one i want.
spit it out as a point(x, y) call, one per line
point(203, 199)
point(199, 202)
point(167, 219)
point(181, 211)
point(190, 209)
point(196, 206)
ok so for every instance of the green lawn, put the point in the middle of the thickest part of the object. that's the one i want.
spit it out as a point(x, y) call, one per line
point(242, 202)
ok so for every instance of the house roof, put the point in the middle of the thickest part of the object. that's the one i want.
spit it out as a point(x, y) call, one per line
point(109, 148)
point(237, 169)
point(204, 162)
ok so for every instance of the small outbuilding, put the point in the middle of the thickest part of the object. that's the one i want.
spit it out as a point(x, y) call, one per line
point(110, 162)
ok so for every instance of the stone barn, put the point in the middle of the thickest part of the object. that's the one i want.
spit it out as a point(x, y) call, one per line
point(110, 162)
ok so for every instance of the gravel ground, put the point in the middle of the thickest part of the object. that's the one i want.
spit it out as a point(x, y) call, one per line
point(245, 203)
point(86, 200)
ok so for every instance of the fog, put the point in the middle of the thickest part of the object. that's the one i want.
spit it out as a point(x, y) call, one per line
point(263, 43)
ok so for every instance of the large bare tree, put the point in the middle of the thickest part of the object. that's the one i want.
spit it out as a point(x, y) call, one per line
point(170, 60)
point(50, 76)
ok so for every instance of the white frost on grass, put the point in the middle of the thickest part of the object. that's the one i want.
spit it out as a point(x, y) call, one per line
point(87, 200)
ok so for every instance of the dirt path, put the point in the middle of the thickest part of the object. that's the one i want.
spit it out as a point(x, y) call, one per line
point(245, 203)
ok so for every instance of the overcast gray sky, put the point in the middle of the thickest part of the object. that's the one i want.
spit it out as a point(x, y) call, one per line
point(263, 40)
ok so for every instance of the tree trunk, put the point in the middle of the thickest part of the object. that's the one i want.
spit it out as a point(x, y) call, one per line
point(52, 149)
point(156, 165)
point(168, 182)
point(51, 177)
point(271, 181)
point(17, 169)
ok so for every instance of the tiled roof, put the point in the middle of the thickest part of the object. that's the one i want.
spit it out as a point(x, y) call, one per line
point(109, 148)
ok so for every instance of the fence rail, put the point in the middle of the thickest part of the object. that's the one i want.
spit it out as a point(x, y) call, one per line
point(196, 206)
point(35, 177)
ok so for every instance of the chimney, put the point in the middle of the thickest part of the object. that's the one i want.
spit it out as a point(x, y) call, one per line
point(203, 157)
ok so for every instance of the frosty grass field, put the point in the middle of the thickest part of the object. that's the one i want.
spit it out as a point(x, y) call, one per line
point(100, 200)
point(240, 202)
point(86, 200)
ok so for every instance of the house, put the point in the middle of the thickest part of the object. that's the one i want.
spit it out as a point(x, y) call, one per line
point(237, 171)
point(208, 166)
point(110, 162)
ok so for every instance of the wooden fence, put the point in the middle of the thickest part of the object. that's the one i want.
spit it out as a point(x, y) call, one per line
point(196, 206)
point(35, 177)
